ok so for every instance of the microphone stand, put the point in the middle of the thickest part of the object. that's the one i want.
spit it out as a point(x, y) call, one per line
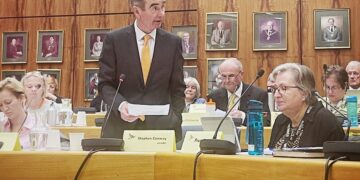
point(218, 146)
point(349, 122)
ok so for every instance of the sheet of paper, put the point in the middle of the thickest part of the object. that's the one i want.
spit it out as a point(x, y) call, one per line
point(138, 109)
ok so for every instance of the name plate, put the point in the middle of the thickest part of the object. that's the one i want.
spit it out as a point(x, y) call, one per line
point(10, 141)
point(149, 141)
point(192, 139)
point(192, 116)
point(197, 108)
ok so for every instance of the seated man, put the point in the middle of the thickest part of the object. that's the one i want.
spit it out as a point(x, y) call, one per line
point(353, 70)
point(231, 71)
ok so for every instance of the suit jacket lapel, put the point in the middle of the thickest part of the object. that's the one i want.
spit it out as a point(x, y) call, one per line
point(246, 97)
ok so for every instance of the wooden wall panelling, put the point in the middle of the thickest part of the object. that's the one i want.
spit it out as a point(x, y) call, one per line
point(23, 8)
point(122, 6)
point(316, 58)
point(253, 61)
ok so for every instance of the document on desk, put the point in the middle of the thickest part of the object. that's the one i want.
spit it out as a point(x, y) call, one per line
point(138, 109)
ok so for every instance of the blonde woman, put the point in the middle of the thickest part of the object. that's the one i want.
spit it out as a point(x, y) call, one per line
point(12, 104)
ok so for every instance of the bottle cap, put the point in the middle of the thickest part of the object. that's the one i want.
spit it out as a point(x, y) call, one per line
point(255, 105)
point(210, 101)
point(351, 99)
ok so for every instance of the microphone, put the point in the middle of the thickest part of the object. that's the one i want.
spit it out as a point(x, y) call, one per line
point(121, 79)
point(336, 149)
point(325, 67)
point(343, 115)
point(105, 144)
point(218, 146)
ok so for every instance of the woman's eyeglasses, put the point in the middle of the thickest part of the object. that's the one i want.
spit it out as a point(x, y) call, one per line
point(282, 88)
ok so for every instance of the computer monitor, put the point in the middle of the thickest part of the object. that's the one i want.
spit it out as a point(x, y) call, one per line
point(228, 128)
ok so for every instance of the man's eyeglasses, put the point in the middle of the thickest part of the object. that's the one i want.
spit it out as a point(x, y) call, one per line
point(282, 89)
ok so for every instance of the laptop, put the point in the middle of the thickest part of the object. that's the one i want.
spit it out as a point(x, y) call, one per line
point(354, 93)
point(228, 128)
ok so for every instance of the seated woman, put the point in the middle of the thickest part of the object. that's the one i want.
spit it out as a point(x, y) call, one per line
point(192, 93)
point(35, 92)
point(52, 89)
point(336, 83)
point(304, 121)
point(12, 100)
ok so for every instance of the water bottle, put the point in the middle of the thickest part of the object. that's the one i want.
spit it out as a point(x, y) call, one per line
point(210, 106)
point(52, 115)
point(255, 128)
point(39, 133)
point(351, 102)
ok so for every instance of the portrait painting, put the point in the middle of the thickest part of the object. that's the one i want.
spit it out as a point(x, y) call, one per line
point(213, 75)
point(94, 40)
point(91, 83)
point(50, 46)
point(221, 31)
point(14, 49)
point(269, 31)
point(17, 74)
point(189, 36)
point(331, 28)
point(53, 73)
point(190, 71)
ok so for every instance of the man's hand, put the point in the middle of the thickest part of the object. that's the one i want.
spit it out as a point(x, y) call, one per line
point(124, 113)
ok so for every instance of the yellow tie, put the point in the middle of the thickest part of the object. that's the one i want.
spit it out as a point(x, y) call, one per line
point(231, 101)
point(145, 58)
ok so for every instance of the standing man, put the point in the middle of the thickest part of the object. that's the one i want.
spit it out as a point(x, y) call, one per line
point(152, 62)
point(220, 35)
point(51, 48)
point(187, 45)
point(231, 73)
point(332, 33)
point(353, 70)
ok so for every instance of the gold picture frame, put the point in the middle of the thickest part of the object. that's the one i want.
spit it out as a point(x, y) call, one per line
point(269, 31)
point(14, 47)
point(221, 31)
point(332, 28)
point(93, 43)
point(50, 45)
point(91, 83)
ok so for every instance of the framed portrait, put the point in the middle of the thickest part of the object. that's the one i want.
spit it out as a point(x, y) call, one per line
point(213, 76)
point(55, 73)
point(91, 83)
point(17, 74)
point(221, 31)
point(331, 28)
point(190, 71)
point(269, 31)
point(50, 46)
point(189, 43)
point(14, 49)
point(93, 44)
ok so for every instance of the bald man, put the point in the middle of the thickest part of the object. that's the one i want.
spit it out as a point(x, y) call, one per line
point(353, 70)
point(231, 73)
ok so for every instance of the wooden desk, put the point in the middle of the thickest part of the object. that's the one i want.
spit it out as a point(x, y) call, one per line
point(165, 166)
point(94, 132)
point(64, 165)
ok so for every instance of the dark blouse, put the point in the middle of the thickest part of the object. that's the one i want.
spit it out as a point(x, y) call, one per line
point(320, 125)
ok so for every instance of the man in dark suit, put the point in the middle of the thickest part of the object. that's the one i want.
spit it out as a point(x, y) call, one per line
point(152, 62)
point(231, 72)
